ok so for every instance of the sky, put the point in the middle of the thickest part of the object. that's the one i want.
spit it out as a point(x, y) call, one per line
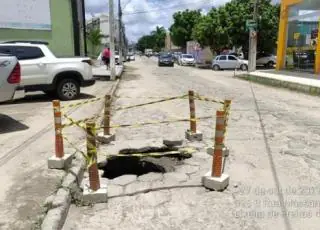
point(142, 16)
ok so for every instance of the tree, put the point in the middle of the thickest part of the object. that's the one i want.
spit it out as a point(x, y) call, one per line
point(225, 26)
point(159, 35)
point(94, 37)
point(182, 27)
point(155, 40)
point(209, 31)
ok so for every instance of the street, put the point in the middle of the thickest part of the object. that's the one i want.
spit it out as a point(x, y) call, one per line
point(273, 138)
point(27, 141)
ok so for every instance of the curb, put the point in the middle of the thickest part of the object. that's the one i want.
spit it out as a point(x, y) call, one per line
point(58, 205)
point(306, 89)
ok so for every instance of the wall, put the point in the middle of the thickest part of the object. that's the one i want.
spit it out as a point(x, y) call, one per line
point(61, 35)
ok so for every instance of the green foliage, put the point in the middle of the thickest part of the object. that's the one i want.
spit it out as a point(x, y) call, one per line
point(225, 26)
point(94, 37)
point(155, 40)
point(182, 27)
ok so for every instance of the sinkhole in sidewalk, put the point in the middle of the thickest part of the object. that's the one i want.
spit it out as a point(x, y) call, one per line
point(159, 160)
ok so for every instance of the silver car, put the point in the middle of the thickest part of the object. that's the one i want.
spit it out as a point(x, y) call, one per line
point(229, 62)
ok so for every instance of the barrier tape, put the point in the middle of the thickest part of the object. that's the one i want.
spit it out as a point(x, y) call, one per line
point(201, 98)
point(79, 123)
point(227, 115)
point(150, 103)
point(81, 103)
point(76, 148)
point(151, 97)
point(155, 122)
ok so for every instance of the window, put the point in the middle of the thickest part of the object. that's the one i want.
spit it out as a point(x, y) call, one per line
point(187, 56)
point(27, 53)
point(232, 58)
point(6, 50)
point(223, 58)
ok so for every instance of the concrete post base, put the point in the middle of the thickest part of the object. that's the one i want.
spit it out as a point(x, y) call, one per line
point(60, 163)
point(106, 139)
point(215, 183)
point(93, 197)
point(190, 136)
point(225, 151)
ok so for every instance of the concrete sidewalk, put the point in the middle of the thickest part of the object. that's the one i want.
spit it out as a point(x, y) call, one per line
point(101, 71)
point(298, 81)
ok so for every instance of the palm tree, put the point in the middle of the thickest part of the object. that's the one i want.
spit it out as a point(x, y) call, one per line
point(94, 37)
point(160, 35)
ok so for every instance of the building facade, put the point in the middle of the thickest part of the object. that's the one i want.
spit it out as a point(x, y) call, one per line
point(101, 22)
point(298, 39)
point(61, 23)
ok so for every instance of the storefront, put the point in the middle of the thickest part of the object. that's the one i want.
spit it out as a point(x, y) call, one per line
point(298, 39)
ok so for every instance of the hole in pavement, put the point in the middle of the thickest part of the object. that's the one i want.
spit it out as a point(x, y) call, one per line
point(118, 166)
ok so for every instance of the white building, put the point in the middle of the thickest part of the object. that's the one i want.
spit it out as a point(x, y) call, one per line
point(102, 22)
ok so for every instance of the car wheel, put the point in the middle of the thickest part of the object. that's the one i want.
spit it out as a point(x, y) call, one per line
point(243, 67)
point(215, 67)
point(270, 64)
point(68, 89)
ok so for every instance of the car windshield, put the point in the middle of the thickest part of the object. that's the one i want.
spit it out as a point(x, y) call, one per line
point(187, 56)
point(165, 56)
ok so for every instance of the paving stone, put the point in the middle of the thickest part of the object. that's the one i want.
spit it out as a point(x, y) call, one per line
point(124, 180)
point(115, 190)
point(175, 176)
point(154, 199)
point(191, 161)
point(151, 177)
point(137, 186)
point(187, 169)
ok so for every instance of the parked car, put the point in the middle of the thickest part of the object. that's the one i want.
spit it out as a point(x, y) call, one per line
point(10, 77)
point(165, 60)
point(187, 59)
point(41, 70)
point(266, 60)
point(229, 62)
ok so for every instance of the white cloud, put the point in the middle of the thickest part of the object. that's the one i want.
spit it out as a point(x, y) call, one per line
point(158, 12)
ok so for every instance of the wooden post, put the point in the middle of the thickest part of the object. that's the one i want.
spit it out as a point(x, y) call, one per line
point(92, 156)
point(193, 123)
point(226, 109)
point(107, 107)
point(218, 144)
point(59, 152)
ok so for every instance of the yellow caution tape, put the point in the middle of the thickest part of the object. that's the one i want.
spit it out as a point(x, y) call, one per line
point(79, 123)
point(154, 122)
point(201, 98)
point(81, 103)
point(76, 148)
point(150, 103)
point(151, 97)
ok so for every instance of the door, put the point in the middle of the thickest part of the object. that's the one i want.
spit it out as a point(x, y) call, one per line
point(223, 62)
point(233, 62)
point(33, 65)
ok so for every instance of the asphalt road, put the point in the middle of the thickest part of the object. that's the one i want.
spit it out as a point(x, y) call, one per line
point(27, 141)
point(273, 137)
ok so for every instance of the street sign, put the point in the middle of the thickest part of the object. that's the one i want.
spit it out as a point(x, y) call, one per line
point(251, 25)
point(296, 36)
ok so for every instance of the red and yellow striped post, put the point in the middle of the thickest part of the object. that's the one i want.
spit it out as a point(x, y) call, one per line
point(94, 180)
point(106, 121)
point(218, 145)
point(193, 123)
point(59, 151)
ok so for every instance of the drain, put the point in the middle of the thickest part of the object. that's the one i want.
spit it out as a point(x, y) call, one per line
point(118, 166)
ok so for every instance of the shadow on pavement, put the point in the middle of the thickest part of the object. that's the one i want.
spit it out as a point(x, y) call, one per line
point(130, 77)
point(8, 125)
point(37, 98)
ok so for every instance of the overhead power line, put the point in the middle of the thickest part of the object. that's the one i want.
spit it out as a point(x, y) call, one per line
point(167, 8)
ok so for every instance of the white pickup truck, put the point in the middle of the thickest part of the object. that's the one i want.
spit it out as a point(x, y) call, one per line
point(42, 71)
point(10, 76)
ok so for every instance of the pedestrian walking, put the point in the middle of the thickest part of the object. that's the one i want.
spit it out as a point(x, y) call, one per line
point(106, 53)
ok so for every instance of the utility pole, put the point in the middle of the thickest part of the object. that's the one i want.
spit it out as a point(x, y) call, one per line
point(253, 40)
point(120, 32)
point(111, 36)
